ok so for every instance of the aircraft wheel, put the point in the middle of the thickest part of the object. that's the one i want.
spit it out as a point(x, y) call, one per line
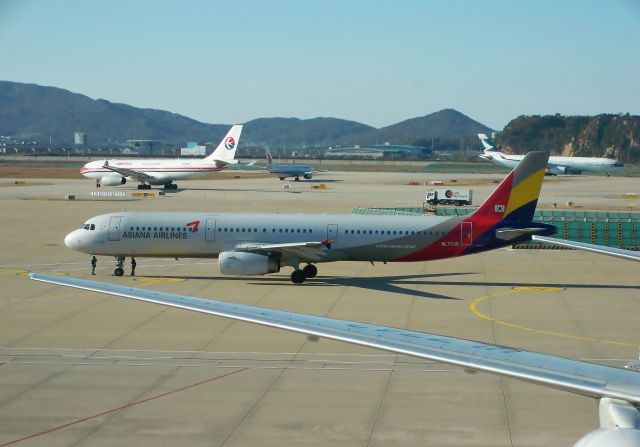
point(282, 179)
point(118, 271)
point(310, 271)
point(147, 186)
point(298, 276)
point(174, 186)
point(297, 179)
point(140, 186)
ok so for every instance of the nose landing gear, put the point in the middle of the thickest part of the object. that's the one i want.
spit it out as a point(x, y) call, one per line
point(119, 271)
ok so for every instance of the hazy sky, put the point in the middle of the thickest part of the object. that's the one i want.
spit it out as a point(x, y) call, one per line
point(377, 62)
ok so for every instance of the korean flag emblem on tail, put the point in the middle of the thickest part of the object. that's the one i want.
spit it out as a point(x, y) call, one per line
point(499, 208)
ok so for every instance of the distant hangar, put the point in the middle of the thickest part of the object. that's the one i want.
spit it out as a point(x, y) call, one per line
point(379, 151)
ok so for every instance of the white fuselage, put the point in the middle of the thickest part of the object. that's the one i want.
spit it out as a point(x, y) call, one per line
point(171, 234)
point(558, 164)
point(164, 170)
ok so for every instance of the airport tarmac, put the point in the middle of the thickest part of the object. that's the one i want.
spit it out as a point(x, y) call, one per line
point(85, 369)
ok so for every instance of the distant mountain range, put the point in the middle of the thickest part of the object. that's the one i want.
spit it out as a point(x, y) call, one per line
point(38, 113)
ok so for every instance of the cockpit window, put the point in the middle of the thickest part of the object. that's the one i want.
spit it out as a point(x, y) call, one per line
point(93, 227)
point(86, 226)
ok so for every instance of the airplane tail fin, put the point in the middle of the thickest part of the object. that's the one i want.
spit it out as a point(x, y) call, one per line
point(487, 142)
point(226, 151)
point(516, 197)
point(269, 158)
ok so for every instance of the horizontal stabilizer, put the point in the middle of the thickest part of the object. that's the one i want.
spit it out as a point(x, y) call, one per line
point(507, 234)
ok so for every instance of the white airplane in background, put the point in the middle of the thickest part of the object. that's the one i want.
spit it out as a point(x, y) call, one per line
point(557, 165)
point(163, 171)
point(258, 244)
point(617, 389)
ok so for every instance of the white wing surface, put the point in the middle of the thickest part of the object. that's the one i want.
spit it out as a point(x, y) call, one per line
point(611, 251)
point(312, 251)
point(129, 173)
point(575, 376)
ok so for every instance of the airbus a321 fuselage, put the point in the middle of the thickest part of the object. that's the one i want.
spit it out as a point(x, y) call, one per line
point(258, 244)
point(163, 171)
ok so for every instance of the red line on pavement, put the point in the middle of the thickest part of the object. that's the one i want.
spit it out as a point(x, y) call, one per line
point(123, 407)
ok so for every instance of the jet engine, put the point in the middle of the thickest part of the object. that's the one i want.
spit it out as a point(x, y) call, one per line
point(112, 180)
point(308, 175)
point(243, 263)
point(619, 426)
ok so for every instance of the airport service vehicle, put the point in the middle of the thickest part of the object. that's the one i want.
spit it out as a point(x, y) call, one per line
point(557, 165)
point(617, 389)
point(163, 171)
point(284, 171)
point(257, 244)
point(449, 196)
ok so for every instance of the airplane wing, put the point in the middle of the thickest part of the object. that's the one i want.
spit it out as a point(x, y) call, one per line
point(129, 173)
point(611, 251)
point(584, 378)
point(312, 251)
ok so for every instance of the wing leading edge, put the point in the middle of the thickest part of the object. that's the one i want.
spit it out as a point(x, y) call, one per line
point(611, 251)
point(575, 376)
point(129, 173)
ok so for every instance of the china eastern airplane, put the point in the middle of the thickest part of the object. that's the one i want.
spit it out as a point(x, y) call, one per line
point(258, 244)
point(617, 390)
point(163, 171)
point(283, 171)
point(557, 165)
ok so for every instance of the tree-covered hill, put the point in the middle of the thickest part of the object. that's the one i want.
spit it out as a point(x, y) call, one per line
point(587, 136)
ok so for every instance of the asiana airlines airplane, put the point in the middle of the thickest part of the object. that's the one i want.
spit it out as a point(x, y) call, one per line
point(258, 244)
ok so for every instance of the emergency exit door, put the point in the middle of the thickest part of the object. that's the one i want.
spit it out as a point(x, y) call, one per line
point(466, 233)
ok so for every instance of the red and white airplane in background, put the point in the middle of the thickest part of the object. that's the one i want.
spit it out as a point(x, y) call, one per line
point(163, 171)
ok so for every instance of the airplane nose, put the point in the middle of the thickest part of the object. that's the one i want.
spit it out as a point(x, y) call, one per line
point(72, 240)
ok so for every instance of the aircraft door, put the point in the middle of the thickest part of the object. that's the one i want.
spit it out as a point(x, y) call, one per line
point(332, 232)
point(114, 228)
point(210, 230)
point(466, 233)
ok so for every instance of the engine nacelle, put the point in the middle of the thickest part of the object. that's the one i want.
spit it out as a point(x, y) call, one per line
point(308, 176)
point(112, 180)
point(242, 263)
point(619, 426)
point(610, 437)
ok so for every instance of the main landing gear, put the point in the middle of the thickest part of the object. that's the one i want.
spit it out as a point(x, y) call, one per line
point(299, 276)
point(171, 186)
point(119, 271)
point(144, 186)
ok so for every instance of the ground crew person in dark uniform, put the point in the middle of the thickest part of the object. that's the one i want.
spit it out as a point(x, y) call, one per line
point(94, 262)
point(133, 266)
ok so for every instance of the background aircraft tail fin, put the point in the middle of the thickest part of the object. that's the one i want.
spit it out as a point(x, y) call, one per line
point(516, 197)
point(269, 158)
point(487, 142)
point(226, 150)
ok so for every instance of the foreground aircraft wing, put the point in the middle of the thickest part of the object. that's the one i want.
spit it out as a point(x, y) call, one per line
point(313, 251)
point(129, 173)
point(588, 379)
point(611, 251)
